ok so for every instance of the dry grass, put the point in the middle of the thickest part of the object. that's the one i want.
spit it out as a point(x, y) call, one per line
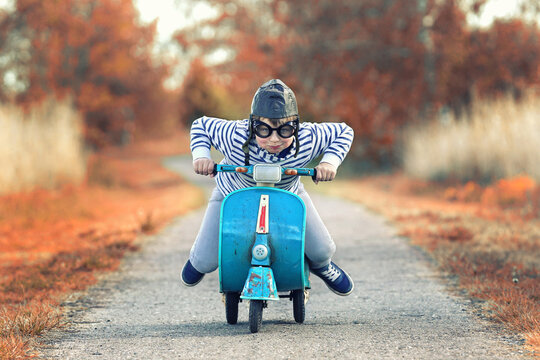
point(489, 236)
point(29, 319)
point(19, 324)
point(41, 148)
point(14, 347)
point(492, 247)
point(53, 242)
point(498, 139)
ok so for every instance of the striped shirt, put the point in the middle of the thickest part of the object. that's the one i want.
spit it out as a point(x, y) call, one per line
point(331, 140)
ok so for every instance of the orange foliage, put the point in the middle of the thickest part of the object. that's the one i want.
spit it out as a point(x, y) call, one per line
point(520, 192)
point(457, 233)
point(470, 192)
point(32, 220)
point(512, 192)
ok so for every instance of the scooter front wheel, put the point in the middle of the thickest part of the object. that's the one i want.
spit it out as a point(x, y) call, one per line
point(255, 315)
point(231, 307)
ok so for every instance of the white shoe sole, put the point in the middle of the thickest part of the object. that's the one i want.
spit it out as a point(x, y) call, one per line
point(342, 294)
point(191, 285)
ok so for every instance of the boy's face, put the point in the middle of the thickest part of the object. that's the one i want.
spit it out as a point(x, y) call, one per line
point(274, 143)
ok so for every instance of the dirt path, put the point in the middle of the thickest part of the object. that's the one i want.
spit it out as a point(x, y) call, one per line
point(399, 308)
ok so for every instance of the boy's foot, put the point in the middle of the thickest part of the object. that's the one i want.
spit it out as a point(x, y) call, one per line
point(190, 275)
point(335, 278)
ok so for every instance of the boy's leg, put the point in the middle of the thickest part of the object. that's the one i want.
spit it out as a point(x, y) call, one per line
point(203, 257)
point(319, 248)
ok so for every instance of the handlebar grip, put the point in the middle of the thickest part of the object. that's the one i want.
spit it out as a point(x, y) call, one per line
point(314, 177)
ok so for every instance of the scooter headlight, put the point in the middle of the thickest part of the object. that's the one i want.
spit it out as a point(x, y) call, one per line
point(260, 252)
point(267, 173)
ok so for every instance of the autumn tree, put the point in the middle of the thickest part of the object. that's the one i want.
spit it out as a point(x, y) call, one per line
point(498, 60)
point(505, 58)
point(348, 61)
point(201, 95)
point(378, 65)
point(96, 52)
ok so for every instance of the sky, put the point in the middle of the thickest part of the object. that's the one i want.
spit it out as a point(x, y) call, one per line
point(171, 13)
point(495, 9)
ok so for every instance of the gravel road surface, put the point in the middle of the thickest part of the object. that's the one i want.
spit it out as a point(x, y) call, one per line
point(400, 308)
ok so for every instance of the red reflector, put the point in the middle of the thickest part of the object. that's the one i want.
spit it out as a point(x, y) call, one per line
point(241, 170)
point(262, 220)
point(291, 172)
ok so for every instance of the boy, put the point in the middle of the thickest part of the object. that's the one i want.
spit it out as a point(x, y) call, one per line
point(272, 134)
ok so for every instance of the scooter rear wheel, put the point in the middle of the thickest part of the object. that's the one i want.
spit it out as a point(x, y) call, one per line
point(231, 307)
point(255, 315)
point(299, 305)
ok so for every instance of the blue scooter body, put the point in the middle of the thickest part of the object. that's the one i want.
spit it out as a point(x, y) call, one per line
point(237, 236)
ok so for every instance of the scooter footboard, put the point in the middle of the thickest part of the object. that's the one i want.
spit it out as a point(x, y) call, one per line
point(238, 222)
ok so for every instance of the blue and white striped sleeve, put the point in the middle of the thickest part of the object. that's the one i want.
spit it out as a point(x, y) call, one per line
point(207, 132)
point(332, 140)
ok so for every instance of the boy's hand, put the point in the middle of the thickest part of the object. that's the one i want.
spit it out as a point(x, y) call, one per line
point(204, 166)
point(325, 172)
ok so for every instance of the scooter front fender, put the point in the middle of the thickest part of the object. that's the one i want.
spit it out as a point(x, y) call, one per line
point(260, 284)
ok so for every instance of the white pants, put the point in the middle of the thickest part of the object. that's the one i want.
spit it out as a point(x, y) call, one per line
point(319, 246)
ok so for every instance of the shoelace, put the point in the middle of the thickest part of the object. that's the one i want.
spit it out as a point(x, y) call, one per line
point(331, 273)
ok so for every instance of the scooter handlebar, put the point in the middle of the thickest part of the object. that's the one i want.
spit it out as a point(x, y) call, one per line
point(249, 170)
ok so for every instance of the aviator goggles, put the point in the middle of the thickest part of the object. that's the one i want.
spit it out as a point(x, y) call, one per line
point(264, 130)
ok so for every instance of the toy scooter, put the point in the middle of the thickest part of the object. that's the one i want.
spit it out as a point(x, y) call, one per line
point(261, 244)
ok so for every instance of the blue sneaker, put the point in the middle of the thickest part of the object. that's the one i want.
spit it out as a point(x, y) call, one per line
point(190, 275)
point(335, 278)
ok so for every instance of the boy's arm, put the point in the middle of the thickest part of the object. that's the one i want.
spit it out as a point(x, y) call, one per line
point(205, 133)
point(200, 141)
point(332, 140)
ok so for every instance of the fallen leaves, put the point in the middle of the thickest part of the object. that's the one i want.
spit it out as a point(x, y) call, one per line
point(54, 242)
point(489, 236)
